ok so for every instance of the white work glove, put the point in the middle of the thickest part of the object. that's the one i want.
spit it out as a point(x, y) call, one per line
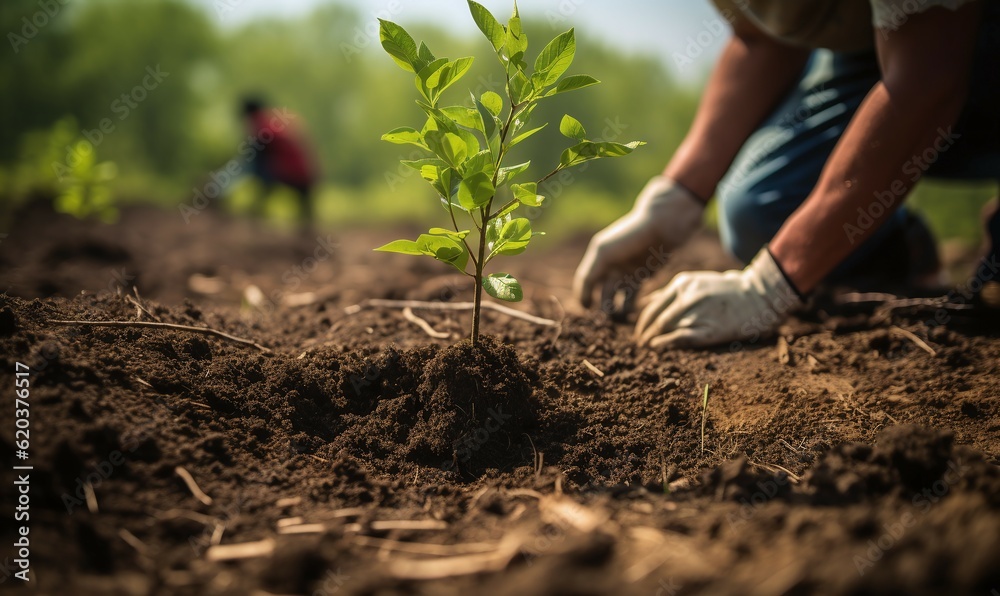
point(705, 308)
point(664, 217)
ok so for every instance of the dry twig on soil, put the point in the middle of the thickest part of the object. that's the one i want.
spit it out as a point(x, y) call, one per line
point(237, 552)
point(916, 340)
point(146, 324)
point(704, 418)
point(593, 368)
point(449, 306)
point(193, 486)
point(424, 325)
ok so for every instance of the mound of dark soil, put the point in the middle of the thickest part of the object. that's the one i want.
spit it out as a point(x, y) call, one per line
point(476, 402)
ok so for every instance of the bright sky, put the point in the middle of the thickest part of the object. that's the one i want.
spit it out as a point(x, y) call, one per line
point(673, 30)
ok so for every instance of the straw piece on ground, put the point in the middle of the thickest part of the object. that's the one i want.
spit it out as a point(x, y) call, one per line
point(193, 486)
point(238, 552)
point(303, 529)
point(88, 491)
point(457, 566)
point(593, 369)
point(423, 548)
point(449, 306)
point(424, 325)
point(130, 539)
point(408, 524)
point(916, 340)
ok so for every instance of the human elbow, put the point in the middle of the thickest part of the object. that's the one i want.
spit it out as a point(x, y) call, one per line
point(940, 90)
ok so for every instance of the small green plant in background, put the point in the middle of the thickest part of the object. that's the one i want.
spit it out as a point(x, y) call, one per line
point(84, 190)
point(467, 146)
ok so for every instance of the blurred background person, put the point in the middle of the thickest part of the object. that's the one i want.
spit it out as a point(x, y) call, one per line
point(280, 154)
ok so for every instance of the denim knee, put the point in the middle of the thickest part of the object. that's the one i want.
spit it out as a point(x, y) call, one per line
point(745, 223)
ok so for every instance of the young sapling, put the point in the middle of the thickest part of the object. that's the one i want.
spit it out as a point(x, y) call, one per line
point(467, 146)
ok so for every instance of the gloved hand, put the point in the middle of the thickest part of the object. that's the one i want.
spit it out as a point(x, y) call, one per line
point(664, 217)
point(705, 308)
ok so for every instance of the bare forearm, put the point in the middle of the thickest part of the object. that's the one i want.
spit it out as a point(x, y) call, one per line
point(899, 130)
point(752, 76)
point(881, 156)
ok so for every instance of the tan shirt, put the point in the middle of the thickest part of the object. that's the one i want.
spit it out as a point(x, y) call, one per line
point(844, 25)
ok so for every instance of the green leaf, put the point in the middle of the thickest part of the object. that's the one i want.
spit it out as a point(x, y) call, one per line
point(398, 44)
point(424, 53)
point(524, 136)
point(513, 238)
point(488, 24)
point(423, 76)
point(503, 216)
point(572, 84)
point(503, 286)
point(556, 58)
point(527, 194)
point(441, 178)
point(467, 117)
point(449, 233)
point(444, 249)
point(508, 174)
point(571, 128)
point(441, 121)
point(520, 87)
point(493, 102)
point(522, 118)
point(481, 162)
point(450, 74)
point(489, 122)
point(588, 150)
point(516, 43)
point(493, 228)
point(471, 141)
point(448, 146)
point(403, 247)
point(405, 136)
point(476, 190)
point(418, 164)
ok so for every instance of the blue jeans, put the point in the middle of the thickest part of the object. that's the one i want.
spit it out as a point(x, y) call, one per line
point(781, 162)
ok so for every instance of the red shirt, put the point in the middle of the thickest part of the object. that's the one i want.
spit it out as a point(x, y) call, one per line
point(286, 156)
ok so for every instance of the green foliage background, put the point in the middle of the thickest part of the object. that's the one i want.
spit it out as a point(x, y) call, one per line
point(327, 67)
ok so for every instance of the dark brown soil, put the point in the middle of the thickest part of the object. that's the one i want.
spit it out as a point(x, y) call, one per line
point(859, 464)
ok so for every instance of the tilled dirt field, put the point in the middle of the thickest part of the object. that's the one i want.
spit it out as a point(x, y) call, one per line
point(355, 454)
